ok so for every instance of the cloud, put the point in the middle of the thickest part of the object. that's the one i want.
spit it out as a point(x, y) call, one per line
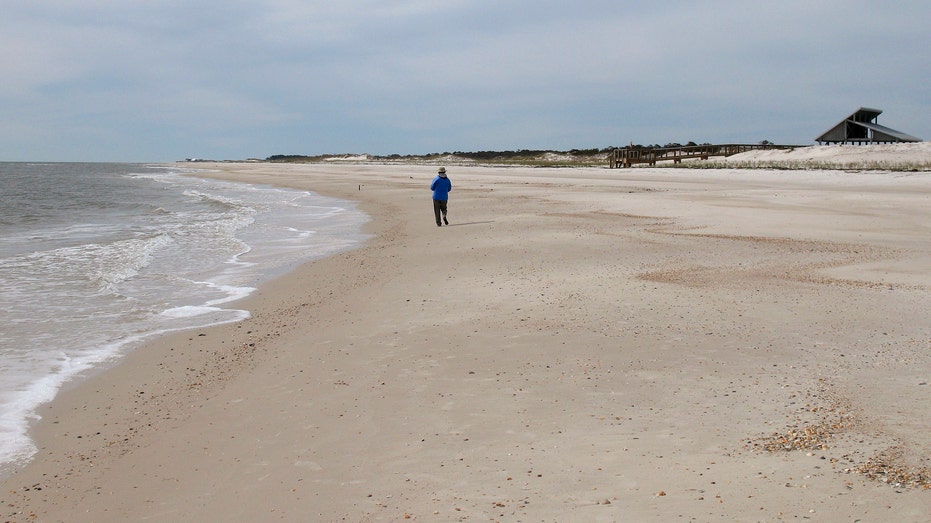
point(420, 76)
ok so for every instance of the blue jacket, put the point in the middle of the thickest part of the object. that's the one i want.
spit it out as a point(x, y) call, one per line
point(441, 188)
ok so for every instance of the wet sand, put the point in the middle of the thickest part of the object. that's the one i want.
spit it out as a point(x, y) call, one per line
point(578, 345)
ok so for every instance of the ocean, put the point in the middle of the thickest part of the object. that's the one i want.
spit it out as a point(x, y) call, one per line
point(97, 258)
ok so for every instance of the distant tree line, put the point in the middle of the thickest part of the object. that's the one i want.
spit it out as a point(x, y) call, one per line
point(480, 156)
point(677, 144)
point(523, 153)
point(297, 158)
point(473, 155)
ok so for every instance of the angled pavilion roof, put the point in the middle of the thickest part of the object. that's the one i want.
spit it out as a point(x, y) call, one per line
point(862, 127)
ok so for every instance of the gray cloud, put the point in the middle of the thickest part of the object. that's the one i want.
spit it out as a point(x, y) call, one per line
point(112, 80)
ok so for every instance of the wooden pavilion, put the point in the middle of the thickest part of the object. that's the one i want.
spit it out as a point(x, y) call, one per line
point(862, 127)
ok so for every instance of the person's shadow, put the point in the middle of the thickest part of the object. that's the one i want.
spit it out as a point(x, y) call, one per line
point(469, 223)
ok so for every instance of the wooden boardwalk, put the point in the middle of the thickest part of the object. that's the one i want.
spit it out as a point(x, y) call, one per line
point(628, 156)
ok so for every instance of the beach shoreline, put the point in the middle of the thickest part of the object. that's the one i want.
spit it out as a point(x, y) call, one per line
point(580, 344)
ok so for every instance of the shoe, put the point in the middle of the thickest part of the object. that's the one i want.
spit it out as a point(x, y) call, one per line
point(445, 220)
point(438, 224)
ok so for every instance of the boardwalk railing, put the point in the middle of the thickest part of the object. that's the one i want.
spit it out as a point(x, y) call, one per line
point(628, 156)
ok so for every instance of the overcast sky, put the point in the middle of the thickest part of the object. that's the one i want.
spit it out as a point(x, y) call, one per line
point(125, 80)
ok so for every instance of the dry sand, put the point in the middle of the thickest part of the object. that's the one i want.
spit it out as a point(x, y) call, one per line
point(580, 345)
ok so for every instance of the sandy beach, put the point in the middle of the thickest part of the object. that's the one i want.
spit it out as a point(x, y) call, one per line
point(586, 345)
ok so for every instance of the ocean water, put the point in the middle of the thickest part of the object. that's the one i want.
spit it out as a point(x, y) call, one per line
point(96, 258)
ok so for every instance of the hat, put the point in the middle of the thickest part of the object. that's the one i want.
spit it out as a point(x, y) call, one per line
point(442, 170)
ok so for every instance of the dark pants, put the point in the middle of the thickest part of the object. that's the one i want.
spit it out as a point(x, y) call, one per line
point(439, 206)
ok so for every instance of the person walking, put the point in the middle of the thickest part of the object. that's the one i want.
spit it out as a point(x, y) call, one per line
point(440, 187)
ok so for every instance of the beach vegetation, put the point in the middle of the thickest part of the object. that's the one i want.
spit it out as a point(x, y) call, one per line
point(799, 165)
point(522, 157)
point(599, 157)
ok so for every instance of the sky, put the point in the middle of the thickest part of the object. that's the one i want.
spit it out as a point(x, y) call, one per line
point(144, 81)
